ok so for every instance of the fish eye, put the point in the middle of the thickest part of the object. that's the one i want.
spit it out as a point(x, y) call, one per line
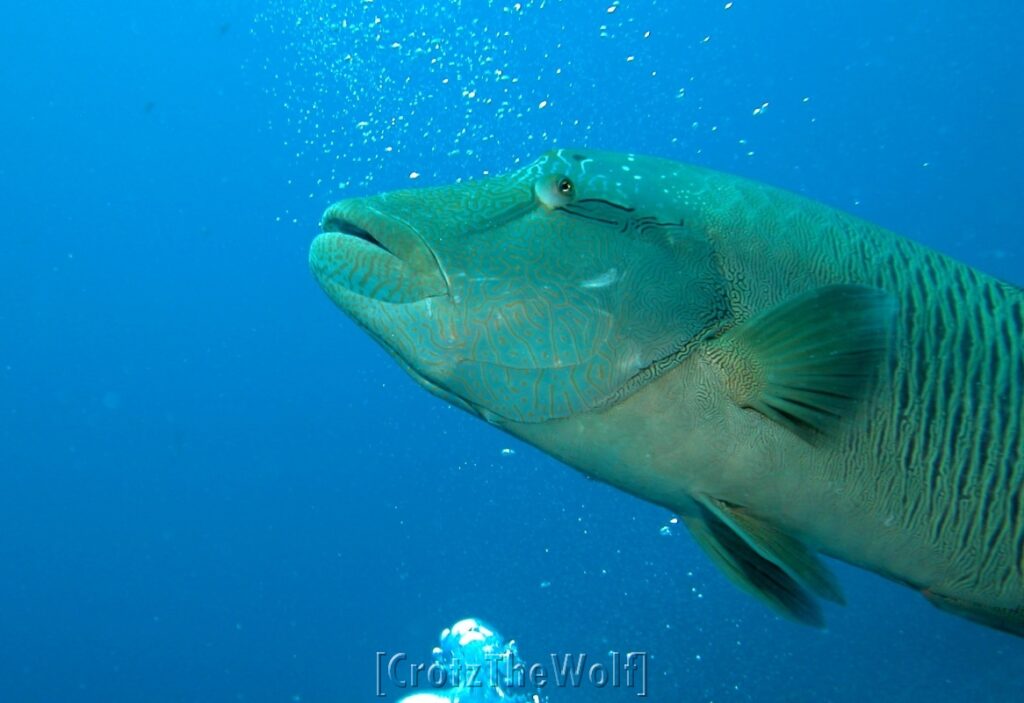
point(555, 191)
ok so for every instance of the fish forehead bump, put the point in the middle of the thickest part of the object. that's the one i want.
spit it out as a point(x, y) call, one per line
point(469, 205)
point(650, 183)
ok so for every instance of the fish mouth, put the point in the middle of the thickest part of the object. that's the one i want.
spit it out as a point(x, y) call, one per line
point(364, 252)
point(352, 229)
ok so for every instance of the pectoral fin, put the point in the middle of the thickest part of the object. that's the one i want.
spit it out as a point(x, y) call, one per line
point(764, 561)
point(807, 362)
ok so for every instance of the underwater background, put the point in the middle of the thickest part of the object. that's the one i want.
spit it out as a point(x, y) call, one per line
point(214, 487)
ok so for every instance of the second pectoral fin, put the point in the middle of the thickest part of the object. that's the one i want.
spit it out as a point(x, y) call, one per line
point(763, 560)
point(771, 543)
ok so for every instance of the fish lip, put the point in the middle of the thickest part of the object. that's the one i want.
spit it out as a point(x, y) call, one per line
point(359, 222)
point(352, 229)
point(361, 219)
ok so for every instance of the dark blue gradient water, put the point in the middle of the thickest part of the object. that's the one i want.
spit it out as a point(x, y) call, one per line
point(213, 487)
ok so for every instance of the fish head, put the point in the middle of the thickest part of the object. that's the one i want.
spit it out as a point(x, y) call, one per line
point(528, 296)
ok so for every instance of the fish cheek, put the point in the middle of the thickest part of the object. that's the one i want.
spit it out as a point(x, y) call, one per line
point(673, 295)
point(533, 394)
point(533, 352)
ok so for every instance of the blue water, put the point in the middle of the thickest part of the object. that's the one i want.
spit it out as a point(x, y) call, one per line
point(213, 487)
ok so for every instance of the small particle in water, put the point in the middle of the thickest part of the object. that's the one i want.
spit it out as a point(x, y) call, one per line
point(111, 400)
point(414, 175)
point(542, 104)
point(612, 8)
point(665, 531)
point(508, 451)
point(545, 584)
point(728, 6)
point(760, 110)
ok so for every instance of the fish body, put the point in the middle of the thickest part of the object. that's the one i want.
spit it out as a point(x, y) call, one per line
point(787, 378)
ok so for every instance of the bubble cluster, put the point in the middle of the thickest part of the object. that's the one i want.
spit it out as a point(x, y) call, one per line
point(382, 94)
point(373, 86)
